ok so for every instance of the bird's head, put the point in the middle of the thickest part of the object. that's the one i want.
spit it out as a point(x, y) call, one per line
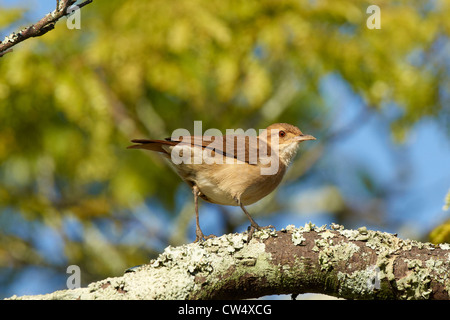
point(284, 138)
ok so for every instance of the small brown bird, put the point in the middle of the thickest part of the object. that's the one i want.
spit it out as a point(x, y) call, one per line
point(235, 170)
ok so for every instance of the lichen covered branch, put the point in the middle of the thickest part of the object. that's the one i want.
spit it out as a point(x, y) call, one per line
point(351, 264)
point(44, 25)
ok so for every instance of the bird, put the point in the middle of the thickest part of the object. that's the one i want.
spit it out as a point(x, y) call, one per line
point(234, 170)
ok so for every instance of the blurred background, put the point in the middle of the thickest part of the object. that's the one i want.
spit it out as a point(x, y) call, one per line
point(377, 100)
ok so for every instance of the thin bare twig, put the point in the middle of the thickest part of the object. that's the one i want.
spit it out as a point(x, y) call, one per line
point(40, 28)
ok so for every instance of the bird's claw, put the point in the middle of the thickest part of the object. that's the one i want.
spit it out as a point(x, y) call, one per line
point(251, 229)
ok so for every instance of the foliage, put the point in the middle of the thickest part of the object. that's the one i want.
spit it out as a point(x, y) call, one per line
point(441, 234)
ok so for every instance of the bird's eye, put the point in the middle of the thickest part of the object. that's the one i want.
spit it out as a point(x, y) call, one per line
point(282, 133)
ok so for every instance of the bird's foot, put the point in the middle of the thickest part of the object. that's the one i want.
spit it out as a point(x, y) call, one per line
point(251, 229)
point(199, 236)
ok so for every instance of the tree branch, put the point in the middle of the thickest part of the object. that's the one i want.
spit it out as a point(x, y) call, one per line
point(43, 26)
point(352, 264)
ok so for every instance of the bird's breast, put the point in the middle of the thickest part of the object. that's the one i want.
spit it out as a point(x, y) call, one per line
point(226, 183)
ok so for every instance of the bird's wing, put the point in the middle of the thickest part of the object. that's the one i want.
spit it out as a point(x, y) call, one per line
point(242, 148)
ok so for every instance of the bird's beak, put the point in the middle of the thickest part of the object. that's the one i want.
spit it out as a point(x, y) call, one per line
point(304, 137)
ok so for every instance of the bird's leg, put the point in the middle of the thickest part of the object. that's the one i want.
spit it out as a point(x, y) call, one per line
point(198, 232)
point(252, 222)
point(253, 225)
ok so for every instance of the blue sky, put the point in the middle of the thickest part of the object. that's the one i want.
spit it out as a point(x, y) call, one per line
point(425, 155)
